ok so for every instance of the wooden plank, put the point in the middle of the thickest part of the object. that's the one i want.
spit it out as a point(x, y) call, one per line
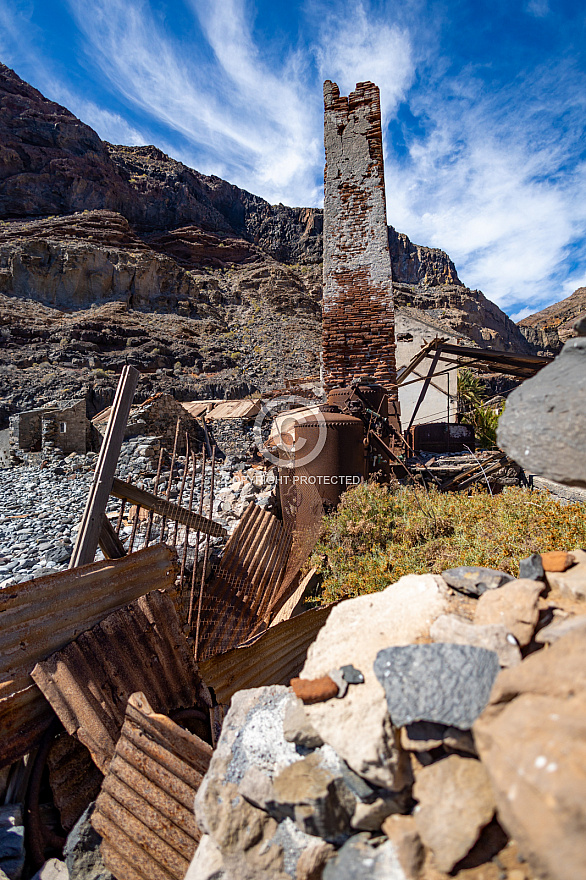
point(159, 505)
point(110, 544)
point(93, 515)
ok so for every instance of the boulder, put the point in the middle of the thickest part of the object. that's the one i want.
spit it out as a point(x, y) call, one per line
point(450, 824)
point(543, 427)
point(251, 752)
point(559, 628)
point(493, 637)
point(531, 568)
point(515, 606)
point(532, 740)
point(353, 634)
point(446, 683)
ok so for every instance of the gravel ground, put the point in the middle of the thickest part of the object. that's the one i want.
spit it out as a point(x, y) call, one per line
point(43, 499)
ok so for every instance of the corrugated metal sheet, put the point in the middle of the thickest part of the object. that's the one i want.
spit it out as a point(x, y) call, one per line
point(74, 778)
point(288, 608)
point(238, 599)
point(198, 408)
point(140, 647)
point(39, 617)
point(275, 657)
point(144, 812)
point(235, 409)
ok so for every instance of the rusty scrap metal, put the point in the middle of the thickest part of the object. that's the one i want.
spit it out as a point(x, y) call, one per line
point(196, 557)
point(90, 680)
point(147, 536)
point(240, 595)
point(274, 657)
point(38, 838)
point(165, 508)
point(144, 812)
point(170, 483)
point(41, 616)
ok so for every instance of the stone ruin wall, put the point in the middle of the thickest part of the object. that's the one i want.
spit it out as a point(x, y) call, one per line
point(359, 324)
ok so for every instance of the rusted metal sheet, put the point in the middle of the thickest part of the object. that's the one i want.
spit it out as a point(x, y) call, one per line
point(237, 601)
point(74, 778)
point(293, 604)
point(235, 409)
point(140, 647)
point(144, 812)
point(39, 617)
point(274, 657)
point(198, 408)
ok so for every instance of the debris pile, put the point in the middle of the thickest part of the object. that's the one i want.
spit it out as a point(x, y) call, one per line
point(437, 728)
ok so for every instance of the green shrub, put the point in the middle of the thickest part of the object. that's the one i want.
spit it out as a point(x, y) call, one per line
point(379, 534)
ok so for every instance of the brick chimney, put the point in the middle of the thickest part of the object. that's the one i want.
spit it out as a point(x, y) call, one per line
point(358, 321)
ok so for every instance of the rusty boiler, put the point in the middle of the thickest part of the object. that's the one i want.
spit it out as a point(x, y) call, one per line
point(320, 449)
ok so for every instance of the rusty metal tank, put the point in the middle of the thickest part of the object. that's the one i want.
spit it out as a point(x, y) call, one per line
point(374, 396)
point(321, 448)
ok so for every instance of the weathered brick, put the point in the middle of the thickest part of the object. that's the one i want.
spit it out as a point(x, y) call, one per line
point(359, 323)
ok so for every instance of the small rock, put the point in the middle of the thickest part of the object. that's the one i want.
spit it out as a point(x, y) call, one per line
point(297, 727)
point(360, 858)
point(312, 861)
point(571, 583)
point(82, 851)
point(319, 803)
point(556, 560)
point(403, 834)
point(450, 824)
point(207, 863)
point(315, 690)
point(515, 606)
point(531, 568)
point(52, 870)
point(370, 816)
point(560, 628)
point(12, 853)
point(494, 637)
point(446, 683)
point(475, 580)
point(422, 736)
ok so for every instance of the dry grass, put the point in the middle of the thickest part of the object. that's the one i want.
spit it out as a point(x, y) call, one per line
point(379, 534)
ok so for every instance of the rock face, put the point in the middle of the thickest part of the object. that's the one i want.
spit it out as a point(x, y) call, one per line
point(544, 425)
point(549, 329)
point(88, 224)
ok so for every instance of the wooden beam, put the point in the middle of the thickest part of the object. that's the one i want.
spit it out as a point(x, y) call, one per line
point(93, 515)
point(159, 505)
point(110, 544)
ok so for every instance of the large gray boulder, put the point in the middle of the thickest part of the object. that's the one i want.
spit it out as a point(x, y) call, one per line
point(543, 427)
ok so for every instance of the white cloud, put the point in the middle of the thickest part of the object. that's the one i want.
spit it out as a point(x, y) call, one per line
point(354, 47)
point(538, 8)
point(248, 123)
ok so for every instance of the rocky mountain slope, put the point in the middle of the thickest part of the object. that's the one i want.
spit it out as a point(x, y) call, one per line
point(548, 330)
point(113, 254)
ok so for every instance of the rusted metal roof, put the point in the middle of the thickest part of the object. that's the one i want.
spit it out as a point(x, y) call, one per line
point(74, 778)
point(237, 601)
point(39, 617)
point(144, 812)
point(198, 408)
point(140, 647)
point(274, 657)
point(235, 409)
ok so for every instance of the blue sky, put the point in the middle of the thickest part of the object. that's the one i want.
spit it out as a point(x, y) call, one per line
point(483, 106)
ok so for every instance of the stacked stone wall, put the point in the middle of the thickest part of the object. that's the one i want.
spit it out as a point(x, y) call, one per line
point(359, 325)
